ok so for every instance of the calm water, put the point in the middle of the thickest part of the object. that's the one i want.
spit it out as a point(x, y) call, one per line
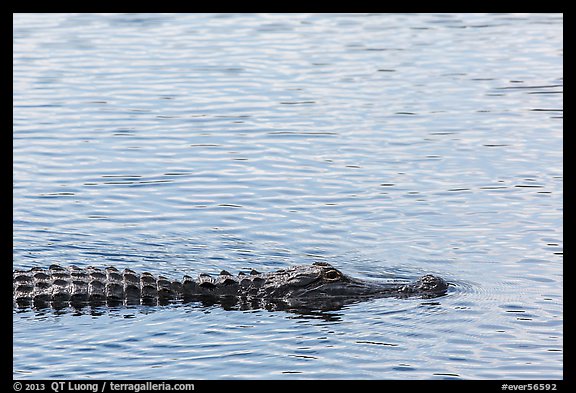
point(388, 145)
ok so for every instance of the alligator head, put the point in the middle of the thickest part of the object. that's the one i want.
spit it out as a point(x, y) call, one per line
point(322, 280)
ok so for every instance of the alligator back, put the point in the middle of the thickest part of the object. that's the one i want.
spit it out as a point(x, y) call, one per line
point(59, 285)
point(87, 285)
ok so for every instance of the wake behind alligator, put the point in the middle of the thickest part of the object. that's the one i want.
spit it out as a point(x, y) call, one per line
point(318, 286)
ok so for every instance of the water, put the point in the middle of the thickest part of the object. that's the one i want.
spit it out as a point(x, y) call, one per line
point(388, 145)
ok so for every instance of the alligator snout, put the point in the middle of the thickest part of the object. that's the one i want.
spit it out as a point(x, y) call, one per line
point(433, 284)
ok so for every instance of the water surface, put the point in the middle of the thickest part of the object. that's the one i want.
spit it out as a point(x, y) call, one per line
point(390, 145)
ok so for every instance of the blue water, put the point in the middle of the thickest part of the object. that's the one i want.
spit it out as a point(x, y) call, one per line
point(390, 145)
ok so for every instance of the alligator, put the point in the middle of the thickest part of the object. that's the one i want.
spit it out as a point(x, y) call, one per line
point(319, 286)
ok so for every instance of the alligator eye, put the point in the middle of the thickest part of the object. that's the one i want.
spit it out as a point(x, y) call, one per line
point(332, 275)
